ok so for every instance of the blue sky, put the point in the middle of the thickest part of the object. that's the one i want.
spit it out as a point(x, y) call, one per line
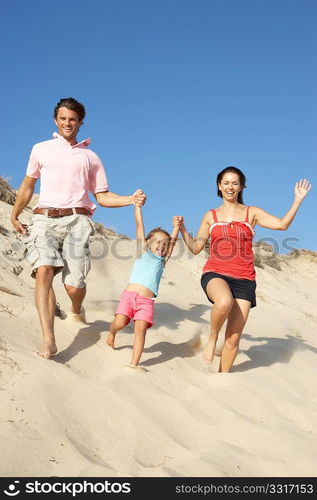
point(175, 90)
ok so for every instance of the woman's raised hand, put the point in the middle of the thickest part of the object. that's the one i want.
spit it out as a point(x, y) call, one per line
point(302, 187)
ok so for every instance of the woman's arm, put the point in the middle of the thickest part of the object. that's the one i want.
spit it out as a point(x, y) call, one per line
point(264, 219)
point(196, 244)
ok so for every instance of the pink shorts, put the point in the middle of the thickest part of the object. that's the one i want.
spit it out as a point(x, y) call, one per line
point(136, 306)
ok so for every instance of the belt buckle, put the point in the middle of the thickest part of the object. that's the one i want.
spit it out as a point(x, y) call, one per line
point(58, 214)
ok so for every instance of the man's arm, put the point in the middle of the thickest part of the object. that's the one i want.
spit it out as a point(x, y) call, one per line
point(114, 200)
point(23, 198)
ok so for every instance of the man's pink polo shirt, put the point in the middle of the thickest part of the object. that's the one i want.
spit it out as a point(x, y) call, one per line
point(68, 173)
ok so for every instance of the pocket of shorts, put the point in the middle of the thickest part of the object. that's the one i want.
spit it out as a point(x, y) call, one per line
point(91, 226)
point(31, 253)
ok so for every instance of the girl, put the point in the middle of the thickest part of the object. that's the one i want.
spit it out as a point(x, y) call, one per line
point(137, 300)
point(228, 277)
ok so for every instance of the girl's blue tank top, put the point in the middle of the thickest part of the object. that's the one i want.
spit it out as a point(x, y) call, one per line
point(147, 271)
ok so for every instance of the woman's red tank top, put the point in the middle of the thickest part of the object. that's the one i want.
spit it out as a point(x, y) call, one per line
point(231, 251)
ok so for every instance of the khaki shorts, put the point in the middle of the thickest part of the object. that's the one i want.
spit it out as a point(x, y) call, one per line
point(62, 243)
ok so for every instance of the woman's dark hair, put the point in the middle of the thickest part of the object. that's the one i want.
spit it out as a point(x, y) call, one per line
point(242, 180)
point(157, 230)
point(73, 105)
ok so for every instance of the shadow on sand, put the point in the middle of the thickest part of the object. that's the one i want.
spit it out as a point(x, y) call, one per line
point(167, 351)
point(172, 316)
point(85, 338)
point(170, 351)
point(277, 350)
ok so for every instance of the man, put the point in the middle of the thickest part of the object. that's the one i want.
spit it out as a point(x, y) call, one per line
point(57, 239)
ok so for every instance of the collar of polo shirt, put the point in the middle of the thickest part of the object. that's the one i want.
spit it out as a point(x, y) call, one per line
point(85, 142)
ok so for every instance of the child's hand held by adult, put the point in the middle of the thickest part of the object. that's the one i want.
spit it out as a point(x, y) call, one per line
point(139, 198)
point(178, 221)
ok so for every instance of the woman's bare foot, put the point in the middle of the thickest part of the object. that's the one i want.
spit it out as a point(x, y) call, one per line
point(48, 350)
point(138, 367)
point(209, 351)
point(110, 339)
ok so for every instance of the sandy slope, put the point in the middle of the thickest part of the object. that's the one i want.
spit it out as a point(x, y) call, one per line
point(85, 414)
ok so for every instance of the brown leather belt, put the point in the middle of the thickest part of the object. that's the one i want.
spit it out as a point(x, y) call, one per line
point(61, 212)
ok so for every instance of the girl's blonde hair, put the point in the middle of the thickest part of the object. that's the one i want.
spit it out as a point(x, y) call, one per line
point(157, 230)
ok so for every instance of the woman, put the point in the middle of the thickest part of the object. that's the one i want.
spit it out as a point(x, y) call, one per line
point(228, 277)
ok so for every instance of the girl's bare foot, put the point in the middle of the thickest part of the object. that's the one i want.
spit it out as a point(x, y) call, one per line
point(110, 339)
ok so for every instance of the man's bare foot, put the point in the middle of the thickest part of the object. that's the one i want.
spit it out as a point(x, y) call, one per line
point(48, 350)
point(209, 351)
point(110, 339)
point(77, 317)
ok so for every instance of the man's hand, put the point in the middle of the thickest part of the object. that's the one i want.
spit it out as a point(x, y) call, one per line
point(23, 198)
point(139, 198)
point(20, 228)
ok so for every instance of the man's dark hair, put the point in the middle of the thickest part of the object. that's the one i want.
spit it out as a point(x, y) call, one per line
point(73, 105)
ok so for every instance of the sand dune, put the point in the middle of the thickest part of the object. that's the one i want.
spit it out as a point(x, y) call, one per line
point(85, 414)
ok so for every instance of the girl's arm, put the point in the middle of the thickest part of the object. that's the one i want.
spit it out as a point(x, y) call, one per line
point(172, 243)
point(196, 244)
point(140, 236)
point(264, 219)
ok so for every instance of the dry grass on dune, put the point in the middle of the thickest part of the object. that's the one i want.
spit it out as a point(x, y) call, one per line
point(7, 194)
